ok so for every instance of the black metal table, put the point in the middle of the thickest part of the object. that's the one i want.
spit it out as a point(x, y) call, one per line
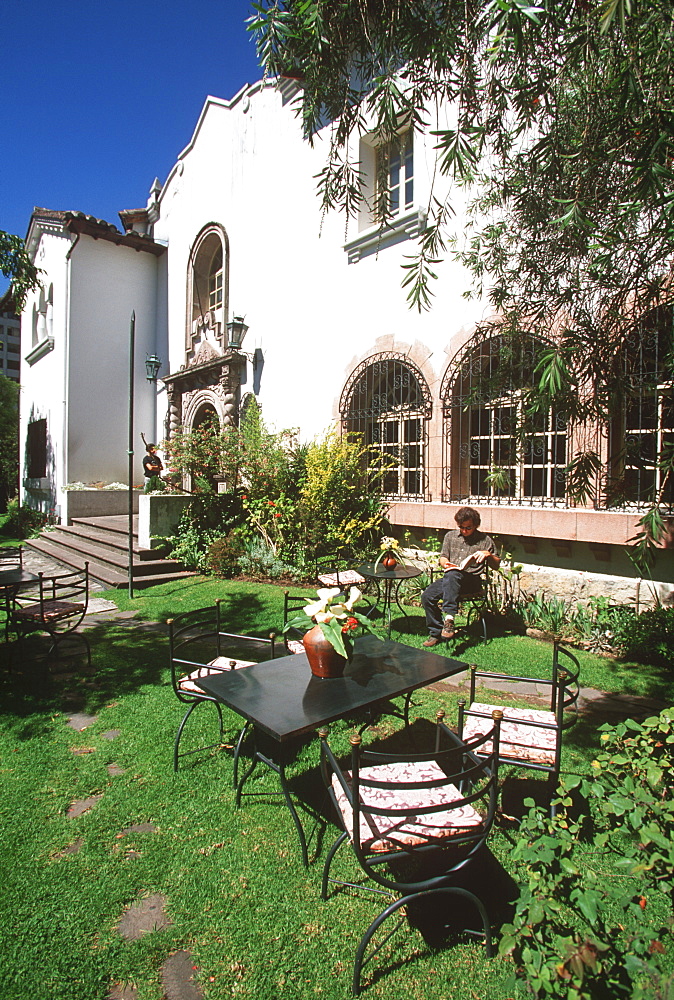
point(391, 578)
point(11, 582)
point(283, 700)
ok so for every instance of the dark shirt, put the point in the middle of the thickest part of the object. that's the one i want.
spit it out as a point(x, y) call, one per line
point(152, 465)
point(455, 548)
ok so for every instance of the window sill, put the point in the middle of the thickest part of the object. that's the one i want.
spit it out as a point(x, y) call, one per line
point(45, 347)
point(374, 239)
point(40, 484)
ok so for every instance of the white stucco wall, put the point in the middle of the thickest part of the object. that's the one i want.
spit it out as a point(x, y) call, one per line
point(311, 313)
point(42, 394)
point(108, 284)
point(81, 386)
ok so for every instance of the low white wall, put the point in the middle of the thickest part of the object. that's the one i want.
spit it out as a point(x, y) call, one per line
point(95, 503)
point(158, 515)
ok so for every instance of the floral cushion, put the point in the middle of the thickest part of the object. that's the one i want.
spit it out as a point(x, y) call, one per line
point(48, 611)
point(294, 645)
point(345, 578)
point(217, 666)
point(518, 740)
point(390, 833)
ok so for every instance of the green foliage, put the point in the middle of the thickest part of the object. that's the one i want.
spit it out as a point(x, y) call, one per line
point(9, 432)
point(649, 637)
point(259, 560)
point(224, 554)
point(15, 263)
point(547, 613)
point(206, 517)
point(23, 521)
point(298, 500)
point(340, 503)
point(594, 920)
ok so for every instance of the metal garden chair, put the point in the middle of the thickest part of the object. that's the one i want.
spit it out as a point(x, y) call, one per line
point(530, 737)
point(199, 646)
point(56, 605)
point(397, 809)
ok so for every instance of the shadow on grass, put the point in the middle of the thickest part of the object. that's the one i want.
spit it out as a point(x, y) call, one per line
point(123, 660)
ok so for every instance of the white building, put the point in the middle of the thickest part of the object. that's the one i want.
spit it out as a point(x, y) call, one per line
point(236, 231)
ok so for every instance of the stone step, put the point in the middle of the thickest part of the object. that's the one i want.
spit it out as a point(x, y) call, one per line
point(107, 553)
point(86, 540)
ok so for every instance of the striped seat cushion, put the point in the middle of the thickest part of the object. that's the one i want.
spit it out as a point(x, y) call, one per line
point(217, 666)
point(518, 741)
point(345, 578)
point(390, 833)
point(49, 611)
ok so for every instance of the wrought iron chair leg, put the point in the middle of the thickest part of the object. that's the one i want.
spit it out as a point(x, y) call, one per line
point(404, 901)
point(328, 861)
point(180, 732)
point(237, 754)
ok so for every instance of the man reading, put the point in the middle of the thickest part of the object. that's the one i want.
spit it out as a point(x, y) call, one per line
point(464, 555)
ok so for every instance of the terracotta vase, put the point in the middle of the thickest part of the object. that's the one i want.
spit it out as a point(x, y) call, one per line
point(323, 658)
point(389, 561)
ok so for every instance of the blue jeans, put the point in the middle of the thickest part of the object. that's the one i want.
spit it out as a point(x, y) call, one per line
point(449, 588)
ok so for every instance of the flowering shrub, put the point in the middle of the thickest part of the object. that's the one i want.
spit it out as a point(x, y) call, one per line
point(299, 499)
point(594, 919)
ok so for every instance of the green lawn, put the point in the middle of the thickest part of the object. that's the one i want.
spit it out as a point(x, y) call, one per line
point(237, 895)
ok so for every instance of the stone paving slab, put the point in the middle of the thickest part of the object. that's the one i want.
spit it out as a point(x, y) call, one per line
point(141, 918)
point(80, 806)
point(177, 978)
point(80, 721)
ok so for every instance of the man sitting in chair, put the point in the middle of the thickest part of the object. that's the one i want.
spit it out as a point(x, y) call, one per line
point(464, 555)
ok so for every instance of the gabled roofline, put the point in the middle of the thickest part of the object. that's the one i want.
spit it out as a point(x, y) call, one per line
point(46, 220)
point(247, 90)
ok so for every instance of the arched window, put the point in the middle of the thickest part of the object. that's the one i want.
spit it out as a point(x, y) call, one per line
point(643, 435)
point(386, 403)
point(207, 291)
point(494, 451)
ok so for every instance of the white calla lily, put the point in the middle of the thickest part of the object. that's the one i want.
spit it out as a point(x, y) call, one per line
point(354, 596)
point(311, 610)
point(324, 616)
point(340, 610)
point(327, 593)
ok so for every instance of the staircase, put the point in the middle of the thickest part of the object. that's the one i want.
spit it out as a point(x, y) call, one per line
point(104, 542)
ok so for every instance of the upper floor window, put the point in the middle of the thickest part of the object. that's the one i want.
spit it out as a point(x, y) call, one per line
point(395, 175)
point(207, 289)
point(215, 288)
point(387, 214)
point(386, 403)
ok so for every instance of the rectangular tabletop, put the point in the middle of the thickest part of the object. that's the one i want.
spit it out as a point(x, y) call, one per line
point(283, 698)
point(16, 577)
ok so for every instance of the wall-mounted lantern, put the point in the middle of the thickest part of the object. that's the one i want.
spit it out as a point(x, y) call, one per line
point(152, 366)
point(237, 330)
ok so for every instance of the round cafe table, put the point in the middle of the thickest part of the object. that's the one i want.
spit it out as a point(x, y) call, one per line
point(391, 580)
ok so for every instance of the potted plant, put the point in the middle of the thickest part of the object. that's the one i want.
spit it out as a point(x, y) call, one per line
point(390, 555)
point(329, 643)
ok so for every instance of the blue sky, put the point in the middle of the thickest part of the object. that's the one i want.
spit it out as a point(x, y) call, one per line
point(100, 96)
